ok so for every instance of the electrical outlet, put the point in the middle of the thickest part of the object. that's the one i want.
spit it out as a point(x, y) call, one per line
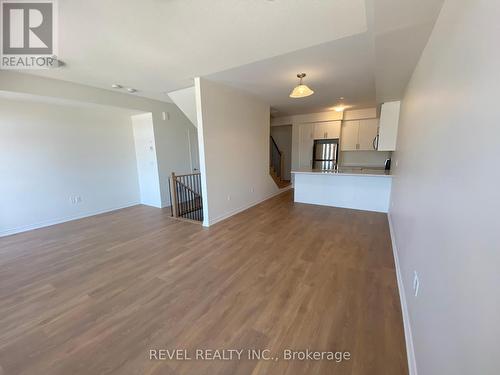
point(228, 197)
point(416, 283)
point(75, 199)
point(252, 190)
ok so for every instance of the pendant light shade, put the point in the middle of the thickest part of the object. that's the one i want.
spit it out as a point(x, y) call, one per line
point(301, 91)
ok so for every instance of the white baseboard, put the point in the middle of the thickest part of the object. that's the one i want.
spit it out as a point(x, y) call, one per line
point(410, 352)
point(48, 223)
point(243, 208)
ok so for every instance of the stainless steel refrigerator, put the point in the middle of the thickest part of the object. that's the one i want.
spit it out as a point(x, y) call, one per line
point(325, 154)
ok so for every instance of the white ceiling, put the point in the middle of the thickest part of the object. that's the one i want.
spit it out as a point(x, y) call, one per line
point(340, 68)
point(158, 46)
point(366, 69)
point(363, 50)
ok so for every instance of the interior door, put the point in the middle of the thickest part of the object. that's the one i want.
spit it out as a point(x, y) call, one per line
point(349, 135)
point(306, 145)
point(368, 130)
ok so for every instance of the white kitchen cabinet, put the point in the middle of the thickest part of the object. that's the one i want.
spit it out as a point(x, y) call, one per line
point(388, 129)
point(349, 135)
point(306, 145)
point(326, 130)
point(368, 130)
point(359, 135)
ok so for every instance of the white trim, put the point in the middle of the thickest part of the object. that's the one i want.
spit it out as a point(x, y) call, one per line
point(246, 207)
point(48, 223)
point(410, 351)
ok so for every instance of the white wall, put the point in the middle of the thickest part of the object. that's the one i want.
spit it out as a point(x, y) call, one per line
point(172, 128)
point(176, 147)
point(185, 99)
point(233, 132)
point(147, 164)
point(446, 199)
point(50, 153)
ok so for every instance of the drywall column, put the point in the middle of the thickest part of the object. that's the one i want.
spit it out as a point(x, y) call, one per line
point(233, 134)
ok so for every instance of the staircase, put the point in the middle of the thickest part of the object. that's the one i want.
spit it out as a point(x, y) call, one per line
point(276, 165)
point(185, 197)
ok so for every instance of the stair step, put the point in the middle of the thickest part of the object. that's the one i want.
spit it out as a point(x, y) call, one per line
point(278, 181)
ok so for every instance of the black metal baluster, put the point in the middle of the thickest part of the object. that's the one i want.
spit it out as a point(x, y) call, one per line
point(198, 183)
point(190, 199)
point(201, 197)
point(185, 196)
point(193, 187)
point(180, 196)
point(177, 197)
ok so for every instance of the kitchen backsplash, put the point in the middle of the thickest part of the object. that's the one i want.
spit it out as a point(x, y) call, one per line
point(364, 158)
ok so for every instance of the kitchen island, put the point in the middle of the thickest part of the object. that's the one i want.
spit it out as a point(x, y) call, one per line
point(366, 189)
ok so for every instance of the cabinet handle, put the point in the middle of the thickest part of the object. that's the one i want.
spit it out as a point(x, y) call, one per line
point(375, 142)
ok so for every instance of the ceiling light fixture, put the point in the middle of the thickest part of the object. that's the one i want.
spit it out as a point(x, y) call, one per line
point(131, 90)
point(301, 91)
point(116, 86)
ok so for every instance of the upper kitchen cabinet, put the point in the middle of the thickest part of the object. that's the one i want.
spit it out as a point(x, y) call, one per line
point(326, 130)
point(359, 135)
point(349, 139)
point(306, 145)
point(388, 128)
point(368, 130)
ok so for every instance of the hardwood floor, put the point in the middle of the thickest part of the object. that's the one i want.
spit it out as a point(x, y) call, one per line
point(94, 296)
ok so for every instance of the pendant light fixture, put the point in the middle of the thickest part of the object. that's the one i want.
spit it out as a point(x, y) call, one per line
point(301, 91)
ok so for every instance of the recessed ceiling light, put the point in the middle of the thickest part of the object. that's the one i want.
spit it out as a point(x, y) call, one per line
point(301, 91)
point(131, 90)
point(116, 86)
point(340, 107)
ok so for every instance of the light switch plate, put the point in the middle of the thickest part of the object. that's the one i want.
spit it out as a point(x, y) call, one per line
point(416, 283)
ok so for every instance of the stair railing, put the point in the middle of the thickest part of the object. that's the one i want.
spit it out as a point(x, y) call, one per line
point(185, 196)
point(276, 158)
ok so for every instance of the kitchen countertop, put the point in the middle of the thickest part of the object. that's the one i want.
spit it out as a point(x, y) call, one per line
point(347, 171)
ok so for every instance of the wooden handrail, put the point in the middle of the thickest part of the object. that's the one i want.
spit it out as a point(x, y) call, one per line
point(276, 159)
point(275, 145)
point(184, 175)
